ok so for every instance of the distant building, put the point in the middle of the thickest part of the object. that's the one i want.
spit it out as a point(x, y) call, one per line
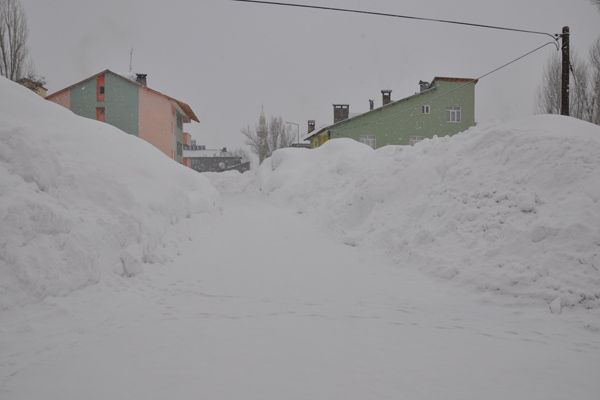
point(132, 107)
point(301, 145)
point(201, 159)
point(35, 85)
point(443, 107)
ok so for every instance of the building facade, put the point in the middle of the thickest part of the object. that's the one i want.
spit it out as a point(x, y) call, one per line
point(201, 159)
point(131, 106)
point(443, 107)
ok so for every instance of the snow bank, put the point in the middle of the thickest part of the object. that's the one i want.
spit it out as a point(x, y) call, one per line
point(509, 209)
point(231, 182)
point(80, 199)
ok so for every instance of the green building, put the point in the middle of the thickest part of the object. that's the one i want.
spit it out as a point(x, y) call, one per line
point(443, 107)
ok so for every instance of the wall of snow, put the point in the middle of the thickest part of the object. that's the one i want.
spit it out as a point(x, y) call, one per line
point(509, 209)
point(80, 199)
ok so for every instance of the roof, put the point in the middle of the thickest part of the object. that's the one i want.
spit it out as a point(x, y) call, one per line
point(431, 88)
point(459, 80)
point(184, 106)
point(206, 153)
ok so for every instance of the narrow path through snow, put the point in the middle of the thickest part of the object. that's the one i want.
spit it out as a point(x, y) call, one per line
point(260, 304)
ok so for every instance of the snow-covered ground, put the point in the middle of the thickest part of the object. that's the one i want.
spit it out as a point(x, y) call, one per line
point(512, 211)
point(80, 200)
point(339, 273)
point(288, 312)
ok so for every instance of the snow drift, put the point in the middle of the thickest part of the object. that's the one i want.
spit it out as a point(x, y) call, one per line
point(80, 199)
point(508, 209)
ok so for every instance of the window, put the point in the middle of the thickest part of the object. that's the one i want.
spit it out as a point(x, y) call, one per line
point(179, 121)
point(369, 140)
point(100, 114)
point(100, 87)
point(425, 109)
point(179, 149)
point(453, 114)
point(415, 139)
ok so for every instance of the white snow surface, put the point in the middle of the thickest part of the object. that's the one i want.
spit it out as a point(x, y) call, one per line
point(81, 200)
point(260, 303)
point(262, 300)
point(510, 210)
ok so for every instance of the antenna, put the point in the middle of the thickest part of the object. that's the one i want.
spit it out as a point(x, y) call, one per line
point(130, 60)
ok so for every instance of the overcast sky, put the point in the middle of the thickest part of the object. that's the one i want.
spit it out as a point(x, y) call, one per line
point(228, 59)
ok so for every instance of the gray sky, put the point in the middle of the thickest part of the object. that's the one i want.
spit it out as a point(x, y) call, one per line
point(228, 59)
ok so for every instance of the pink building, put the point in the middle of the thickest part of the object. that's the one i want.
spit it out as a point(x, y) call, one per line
point(130, 105)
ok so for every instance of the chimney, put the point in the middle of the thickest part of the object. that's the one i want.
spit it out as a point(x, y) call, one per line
point(340, 112)
point(387, 96)
point(423, 85)
point(371, 105)
point(311, 125)
point(141, 79)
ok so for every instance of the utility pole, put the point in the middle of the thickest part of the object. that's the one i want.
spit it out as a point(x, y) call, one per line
point(566, 66)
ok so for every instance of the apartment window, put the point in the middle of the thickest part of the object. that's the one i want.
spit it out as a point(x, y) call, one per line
point(100, 114)
point(425, 109)
point(179, 121)
point(369, 140)
point(100, 87)
point(415, 139)
point(179, 149)
point(453, 114)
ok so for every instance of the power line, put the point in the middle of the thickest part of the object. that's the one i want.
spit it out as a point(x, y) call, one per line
point(555, 36)
point(446, 93)
point(485, 75)
point(519, 58)
point(495, 70)
point(564, 35)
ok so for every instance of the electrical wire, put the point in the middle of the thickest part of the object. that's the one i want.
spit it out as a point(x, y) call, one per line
point(446, 93)
point(555, 36)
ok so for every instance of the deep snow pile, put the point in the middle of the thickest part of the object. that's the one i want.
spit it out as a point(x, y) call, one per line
point(80, 199)
point(231, 182)
point(509, 209)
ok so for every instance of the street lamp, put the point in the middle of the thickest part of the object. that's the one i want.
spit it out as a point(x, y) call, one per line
point(297, 126)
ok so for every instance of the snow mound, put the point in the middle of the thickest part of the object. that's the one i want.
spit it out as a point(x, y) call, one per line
point(80, 199)
point(231, 182)
point(509, 209)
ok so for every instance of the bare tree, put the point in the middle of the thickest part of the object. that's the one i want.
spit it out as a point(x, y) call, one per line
point(549, 93)
point(548, 101)
point(241, 153)
point(13, 40)
point(579, 99)
point(279, 136)
point(257, 138)
point(594, 84)
point(265, 139)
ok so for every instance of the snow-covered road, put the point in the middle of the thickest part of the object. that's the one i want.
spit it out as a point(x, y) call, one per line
point(260, 304)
